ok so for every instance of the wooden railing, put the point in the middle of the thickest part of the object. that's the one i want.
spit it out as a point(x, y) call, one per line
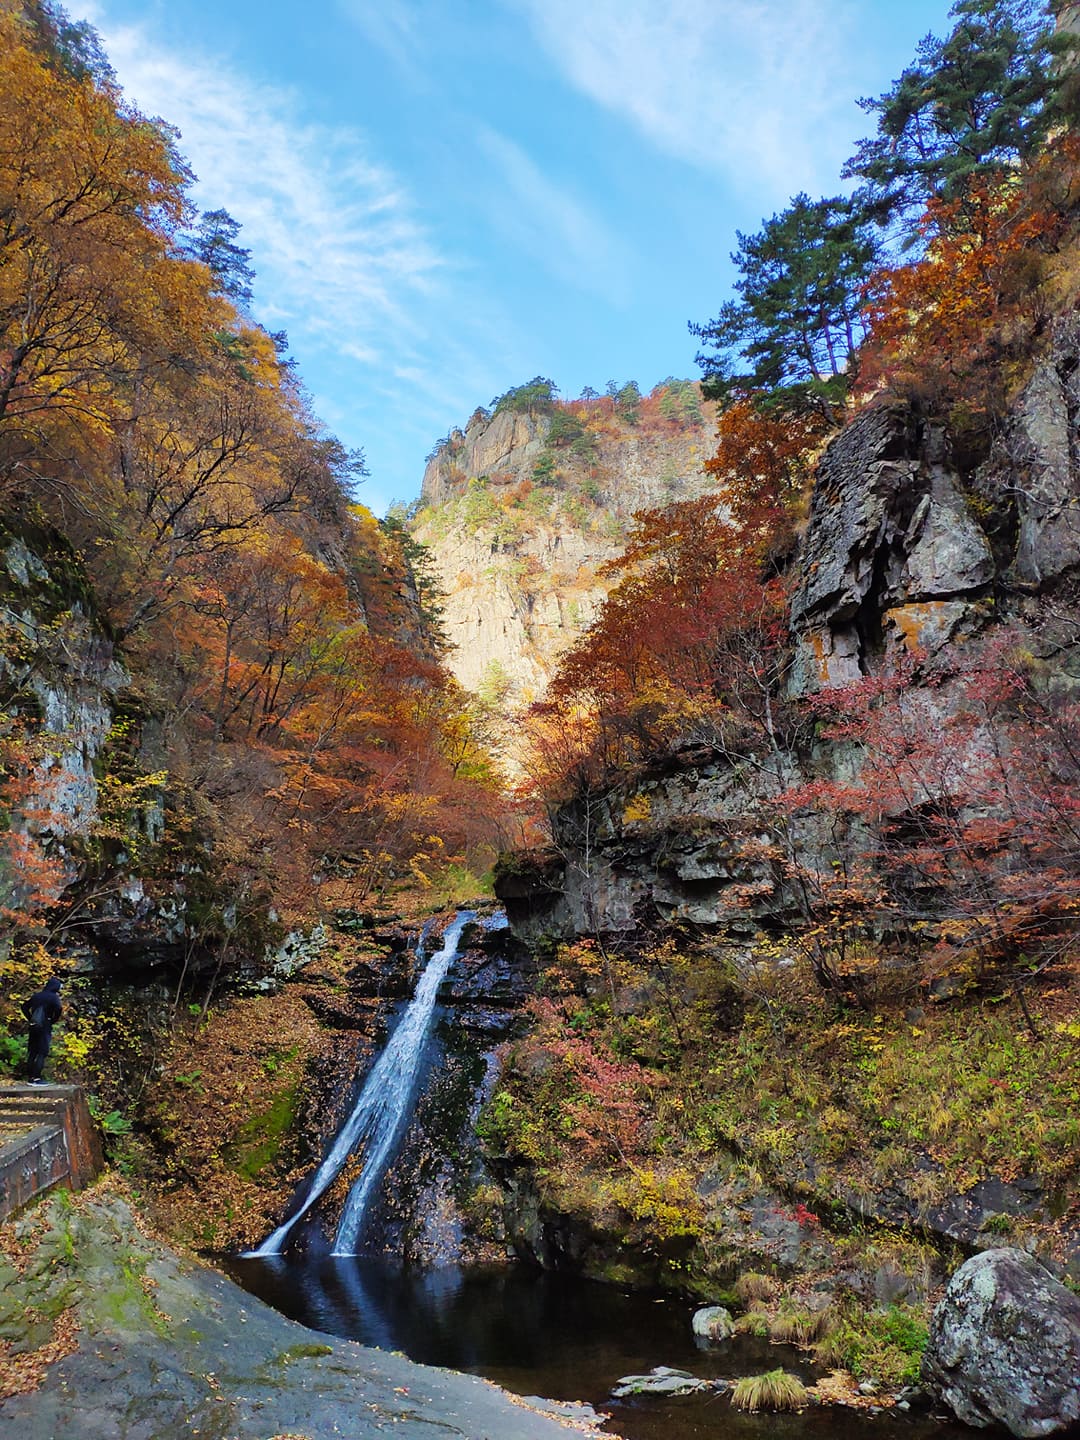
point(47, 1138)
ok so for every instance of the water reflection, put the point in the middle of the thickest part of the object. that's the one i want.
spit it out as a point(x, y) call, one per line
point(550, 1334)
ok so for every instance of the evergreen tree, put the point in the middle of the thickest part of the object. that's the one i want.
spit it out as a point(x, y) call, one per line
point(214, 243)
point(977, 102)
point(790, 334)
point(74, 45)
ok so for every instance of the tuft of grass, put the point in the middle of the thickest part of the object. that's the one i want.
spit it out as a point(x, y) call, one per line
point(885, 1345)
point(751, 1286)
point(775, 1390)
point(800, 1327)
point(754, 1322)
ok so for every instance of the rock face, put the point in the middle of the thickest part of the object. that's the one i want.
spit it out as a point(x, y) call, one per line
point(893, 558)
point(517, 548)
point(58, 664)
point(1005, 1346)
point(1033, 476)
point(62, 675)
point(907, 551)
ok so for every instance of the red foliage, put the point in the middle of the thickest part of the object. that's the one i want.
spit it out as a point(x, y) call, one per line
point(690, 639)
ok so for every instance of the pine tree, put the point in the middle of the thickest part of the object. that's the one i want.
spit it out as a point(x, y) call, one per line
point(790, 334)
point(214, 243)
point(972, 104)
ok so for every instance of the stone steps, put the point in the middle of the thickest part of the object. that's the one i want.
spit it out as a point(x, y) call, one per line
point(47, 1138)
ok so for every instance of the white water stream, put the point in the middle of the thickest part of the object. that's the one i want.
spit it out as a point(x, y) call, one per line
point(382, 1108)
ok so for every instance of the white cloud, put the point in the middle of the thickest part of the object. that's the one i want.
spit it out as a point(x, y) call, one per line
point(335, 245)
point(550, 223)
point(759, 91)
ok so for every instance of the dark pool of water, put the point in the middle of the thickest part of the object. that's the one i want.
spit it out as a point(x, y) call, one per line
point(553, 1335)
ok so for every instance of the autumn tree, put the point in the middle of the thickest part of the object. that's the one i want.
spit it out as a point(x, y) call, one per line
point(272, 620)
point(944, 327)
point(959, 827)
point(89, 194)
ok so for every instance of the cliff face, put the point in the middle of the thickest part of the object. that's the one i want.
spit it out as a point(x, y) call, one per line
point(521, 509)
point(774, 906)
point(906, 552)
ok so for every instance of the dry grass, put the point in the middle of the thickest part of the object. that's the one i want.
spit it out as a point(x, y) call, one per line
point(800, 1327)
point(754, 1322)
point(775, 1390)
point(751, 1286)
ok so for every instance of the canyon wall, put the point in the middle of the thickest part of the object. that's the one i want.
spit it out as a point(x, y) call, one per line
point(520, 519)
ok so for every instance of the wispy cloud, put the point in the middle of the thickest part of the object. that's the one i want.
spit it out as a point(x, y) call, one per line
point(759, 91)
point(337, 247)
point(548, 221)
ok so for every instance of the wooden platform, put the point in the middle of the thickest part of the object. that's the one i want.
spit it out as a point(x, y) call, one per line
point(47, 1138)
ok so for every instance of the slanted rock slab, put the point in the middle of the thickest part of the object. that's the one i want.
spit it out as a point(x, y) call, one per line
point(1004, 1346)
point(156, 1347)
point(661, 1380)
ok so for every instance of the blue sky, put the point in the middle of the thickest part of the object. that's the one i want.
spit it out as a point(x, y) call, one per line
point(444, 198)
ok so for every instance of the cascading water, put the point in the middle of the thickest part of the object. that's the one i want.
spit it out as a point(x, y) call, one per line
point(382, 1108)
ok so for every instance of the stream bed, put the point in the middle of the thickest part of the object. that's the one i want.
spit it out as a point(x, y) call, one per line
point(541, 1333)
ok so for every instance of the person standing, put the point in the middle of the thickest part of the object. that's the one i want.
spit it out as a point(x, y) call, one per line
point(43, 1009)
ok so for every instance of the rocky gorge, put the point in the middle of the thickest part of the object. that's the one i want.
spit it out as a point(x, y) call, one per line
point(609, 927)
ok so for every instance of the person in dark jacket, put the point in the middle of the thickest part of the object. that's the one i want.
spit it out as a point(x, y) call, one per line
point(42, 1010)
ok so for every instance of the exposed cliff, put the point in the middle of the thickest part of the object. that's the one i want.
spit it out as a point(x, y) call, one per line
point(768, 925)
point(523, 507)
point(906, 552)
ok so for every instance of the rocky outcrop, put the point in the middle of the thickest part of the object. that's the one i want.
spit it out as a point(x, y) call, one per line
point(909, 549)
point(519, 526)
point(154, 1345)
point(1005, 1346)
point(893, 559)
point(1032, 480)
point(507, 444)
point(905, 551)
point(60, 673)
point(70, 697)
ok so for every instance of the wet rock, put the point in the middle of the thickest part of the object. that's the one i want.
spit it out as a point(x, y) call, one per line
point(713, 1322)
point(1005, 1346)
point(388, 977)
point(662, 1380)
point(486, 979)
point(489, 1021)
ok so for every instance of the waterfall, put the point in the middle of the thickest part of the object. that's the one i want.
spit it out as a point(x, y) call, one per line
point(382, 1108)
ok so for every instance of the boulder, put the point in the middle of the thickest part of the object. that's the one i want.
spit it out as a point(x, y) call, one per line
point(1004, 1346)
point(713, 1322)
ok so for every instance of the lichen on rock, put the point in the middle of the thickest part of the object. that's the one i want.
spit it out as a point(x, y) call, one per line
point(1005, 1346)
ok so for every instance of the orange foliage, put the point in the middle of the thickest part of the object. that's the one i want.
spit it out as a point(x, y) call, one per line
point(945, 327)
point(261, 614)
